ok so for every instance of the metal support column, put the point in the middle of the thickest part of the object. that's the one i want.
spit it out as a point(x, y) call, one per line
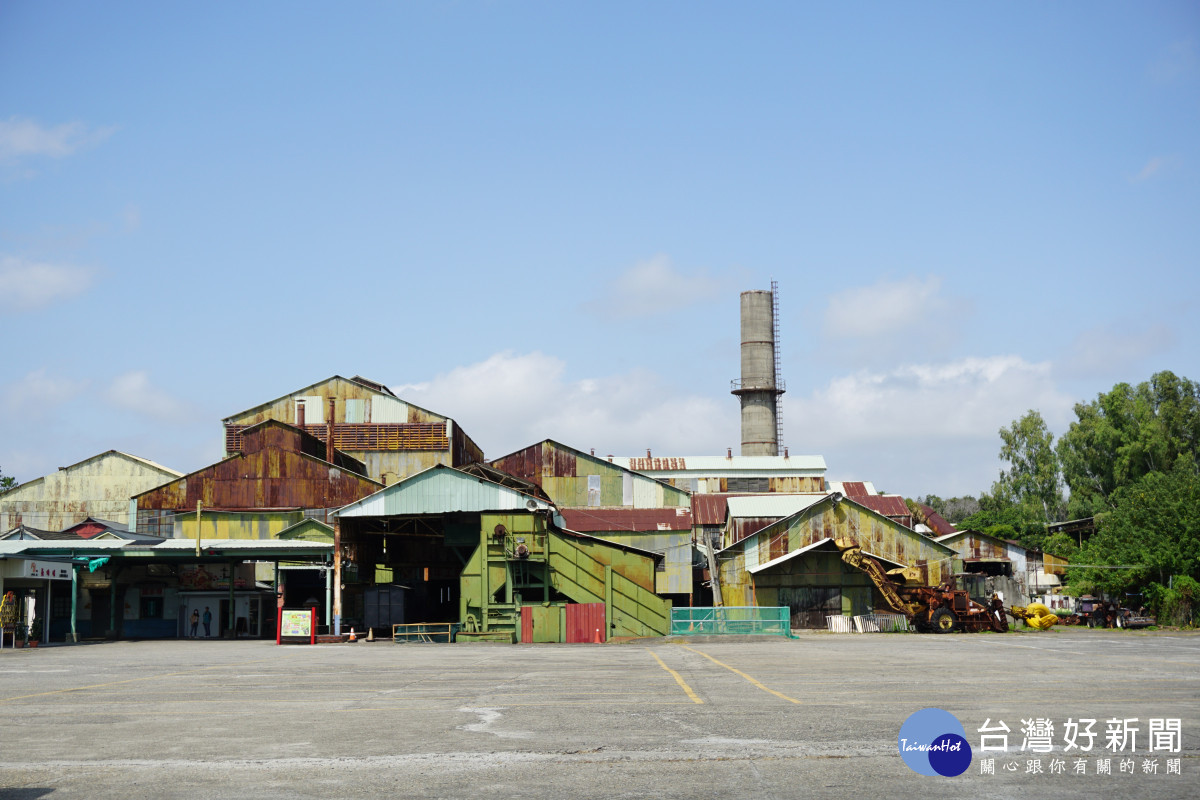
point(74, 600)
point(337, 572)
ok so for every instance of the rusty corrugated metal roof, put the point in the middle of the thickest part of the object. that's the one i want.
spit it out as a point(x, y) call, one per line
point(588, 520)
point(890, 505)
point(709, 509)
point(936, 522)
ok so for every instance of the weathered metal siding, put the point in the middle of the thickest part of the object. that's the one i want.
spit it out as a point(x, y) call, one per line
point(270, 478)
point(465, 451)
point(876, 534)
point(393, 466)
point(371, 406)
point(366, 422)
point(975, 545)
point(585, 623)
point(675, 577)
point(741, 527)
point(563, 473)
point(362, 438)
point(234, 525)
point(98, 487)
point(439, 491)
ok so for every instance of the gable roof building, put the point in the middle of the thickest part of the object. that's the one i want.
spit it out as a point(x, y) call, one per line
point(98, 487)
point(280, 474)
point(392, 437)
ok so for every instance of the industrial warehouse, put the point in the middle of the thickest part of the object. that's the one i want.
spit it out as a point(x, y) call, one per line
point(383, 519)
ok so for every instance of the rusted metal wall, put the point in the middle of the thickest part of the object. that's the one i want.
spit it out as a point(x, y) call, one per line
point(98, 487)
point(585, 623)
point(465, 451)
point(363, 438)
point(890, 505)
point(575, 479)
point(876, 534)
point(369, 406)
point(667, 531)
point(273, 474)
point(741, 527)
point(792, 484)
point(394, 439)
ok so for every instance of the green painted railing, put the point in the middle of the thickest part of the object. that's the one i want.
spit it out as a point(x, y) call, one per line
point(704, 621)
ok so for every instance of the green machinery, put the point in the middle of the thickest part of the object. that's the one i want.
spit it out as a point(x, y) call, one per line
point(522, 561)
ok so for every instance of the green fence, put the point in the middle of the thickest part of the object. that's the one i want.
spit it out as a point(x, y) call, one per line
point(732, 620)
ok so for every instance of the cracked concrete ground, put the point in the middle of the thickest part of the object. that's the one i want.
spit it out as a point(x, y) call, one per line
point(816, 716)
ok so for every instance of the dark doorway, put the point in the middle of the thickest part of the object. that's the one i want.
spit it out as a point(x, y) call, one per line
point(810, 605)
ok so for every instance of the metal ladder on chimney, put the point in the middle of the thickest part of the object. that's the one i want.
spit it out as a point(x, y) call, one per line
point(778, 367)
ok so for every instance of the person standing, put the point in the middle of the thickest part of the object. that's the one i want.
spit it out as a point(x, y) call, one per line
point(195, 622)
point(207, 622)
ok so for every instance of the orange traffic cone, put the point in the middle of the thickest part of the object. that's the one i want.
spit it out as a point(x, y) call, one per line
point(353, 638)
point(597, 639)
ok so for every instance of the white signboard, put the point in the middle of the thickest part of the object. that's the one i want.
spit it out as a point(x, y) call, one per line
point(47, 570)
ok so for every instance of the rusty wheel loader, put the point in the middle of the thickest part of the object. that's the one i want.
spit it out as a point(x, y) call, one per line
point(936, 609)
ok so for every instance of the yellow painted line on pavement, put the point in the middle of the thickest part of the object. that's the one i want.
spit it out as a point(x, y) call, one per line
point(678, 678)
point(766, 689)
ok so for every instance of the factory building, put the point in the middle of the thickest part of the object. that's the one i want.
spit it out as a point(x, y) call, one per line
point(794, 563)
point(732, 474)
point(490, 555)
point(281, 475)
point(98, 487)
point(366, 421)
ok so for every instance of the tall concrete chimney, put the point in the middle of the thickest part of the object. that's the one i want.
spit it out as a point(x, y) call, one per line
point(759, 387)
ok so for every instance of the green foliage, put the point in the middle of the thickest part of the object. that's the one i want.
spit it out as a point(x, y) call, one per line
point(1154, 527)
point(6, 482)
point(1033, 477)
point(1177, 604)
point(954, 510)
point(1126, 434)
point(1020, 523)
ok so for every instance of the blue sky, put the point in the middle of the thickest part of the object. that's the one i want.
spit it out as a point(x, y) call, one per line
point(537, 218)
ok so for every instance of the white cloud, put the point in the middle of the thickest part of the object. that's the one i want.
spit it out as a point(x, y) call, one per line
point(20, 137)
point(923, 428)
point(971, 397)
point(513, 400)
point(1114, 348)
point(29, 285)
point(132, 391)
point(883, 309)
point(38, 393)
point(656, 286)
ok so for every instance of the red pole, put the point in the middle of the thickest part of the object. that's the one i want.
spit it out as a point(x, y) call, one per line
point(312, 624)
point(279, 625)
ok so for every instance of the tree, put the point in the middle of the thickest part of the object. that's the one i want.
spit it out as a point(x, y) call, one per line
point(1033, 477)
point(954, 509)
point(1126, 434)
point(6, 482)
point(1153, 532)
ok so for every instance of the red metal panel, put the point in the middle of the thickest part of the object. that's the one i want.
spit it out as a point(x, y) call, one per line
point(710, 509)
point(526, 625)
point(855, 489)
point(585, 623)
